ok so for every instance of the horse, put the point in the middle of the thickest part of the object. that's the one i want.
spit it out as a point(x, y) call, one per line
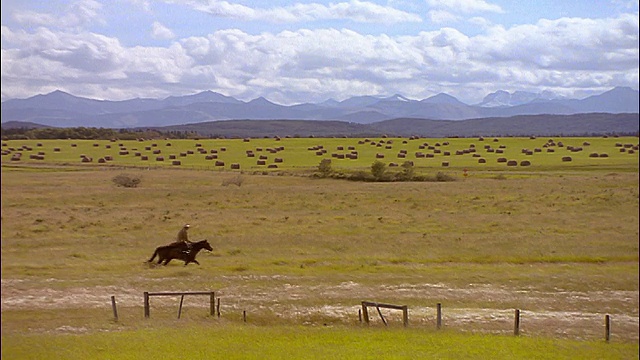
point(169, 252)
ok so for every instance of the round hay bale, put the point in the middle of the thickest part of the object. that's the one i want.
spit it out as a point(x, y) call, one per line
point(502, 160)
point(482, 161)
point(566, 158)
point(219, 163)
point(446, 153)
point(594, 155)
point(512, 163)
point(272, 166)
point(87, 159)
point(176, 162)
point(525, 163)
point(144, 157)
point(631, 151)
point(445, 163)
point(402, 155)
point(102, 161)
point(235, 166)
point(393, 164)
point(56, 149)
point(604, 155)
point(160, 158)
point(623, 150)
point(499, 151)
point(379, 156)
point(550, 150)
point(278, 160)
point(261, 162)
point(476, 155)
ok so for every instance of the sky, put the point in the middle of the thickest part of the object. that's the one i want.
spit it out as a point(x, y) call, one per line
point(292, 52)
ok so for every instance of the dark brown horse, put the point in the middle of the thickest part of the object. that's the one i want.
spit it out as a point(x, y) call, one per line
point(169, 252)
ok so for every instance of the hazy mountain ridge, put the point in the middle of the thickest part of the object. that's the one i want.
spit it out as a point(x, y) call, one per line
point(60, 109)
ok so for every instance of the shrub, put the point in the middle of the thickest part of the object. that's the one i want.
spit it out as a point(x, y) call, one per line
point(378, 169)
point(236, 180)
point(126, 180)
point(325, 168)
point(440, 176)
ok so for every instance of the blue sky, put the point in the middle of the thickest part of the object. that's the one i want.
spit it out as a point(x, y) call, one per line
point(309, 51)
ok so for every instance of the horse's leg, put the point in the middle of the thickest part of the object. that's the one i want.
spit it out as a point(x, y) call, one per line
point(167, 261)
point(154, 255)
point(196, 261)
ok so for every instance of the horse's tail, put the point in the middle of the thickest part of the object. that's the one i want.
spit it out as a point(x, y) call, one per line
point(155, 253)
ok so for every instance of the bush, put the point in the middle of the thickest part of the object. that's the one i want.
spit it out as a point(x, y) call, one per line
point(440, 176)
point(236, 180)
point(125, 180)
point(325, 168)
point(378, 169)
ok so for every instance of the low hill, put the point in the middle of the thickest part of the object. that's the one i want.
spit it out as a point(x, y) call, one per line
point(523, 125)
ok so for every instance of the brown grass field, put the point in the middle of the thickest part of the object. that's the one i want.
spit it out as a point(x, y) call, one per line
point(559, 241)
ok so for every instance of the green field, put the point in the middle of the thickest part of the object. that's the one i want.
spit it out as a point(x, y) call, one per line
point(302, 154)
point(297, 254)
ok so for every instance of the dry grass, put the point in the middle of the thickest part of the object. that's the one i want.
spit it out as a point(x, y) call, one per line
point(551, 243)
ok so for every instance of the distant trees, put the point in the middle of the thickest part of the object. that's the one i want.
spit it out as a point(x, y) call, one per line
point(85, 133)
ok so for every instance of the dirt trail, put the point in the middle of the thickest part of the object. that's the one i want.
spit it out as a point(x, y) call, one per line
point(329, 304)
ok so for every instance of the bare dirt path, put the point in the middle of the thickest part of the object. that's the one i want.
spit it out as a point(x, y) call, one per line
point(542, 313)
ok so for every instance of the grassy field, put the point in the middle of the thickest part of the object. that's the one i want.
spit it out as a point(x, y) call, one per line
point(558, 240)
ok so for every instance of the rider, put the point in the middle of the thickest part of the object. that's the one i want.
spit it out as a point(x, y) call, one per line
point(182, 239)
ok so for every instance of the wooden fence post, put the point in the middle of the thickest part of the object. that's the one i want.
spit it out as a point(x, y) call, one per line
point(244, 315)
point(516, 323)
point(607, 328)
point(439, 316)
point(146, 304)
point(212, 302)
point(115, 309)
point(180, 307)
point(218, 308)
point(365, 312)
point(405, 316)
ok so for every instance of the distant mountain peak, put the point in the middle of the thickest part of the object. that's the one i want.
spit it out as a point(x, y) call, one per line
point(442, 98)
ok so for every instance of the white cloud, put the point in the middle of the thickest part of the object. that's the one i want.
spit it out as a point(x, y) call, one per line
point(442, 16)
point(465, 6)
point(312, 65)
point(159, 31)
point(355, 10)
point(76, 15)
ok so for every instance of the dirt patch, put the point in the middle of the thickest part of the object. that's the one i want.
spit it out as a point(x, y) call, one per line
point(331, 303)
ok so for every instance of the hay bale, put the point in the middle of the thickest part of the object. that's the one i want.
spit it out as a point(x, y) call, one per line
point(502, 160)
point(379, 156)
point(512, 163)
point(604, 155)
point(272, 166)
point(56, 149)
point(482, 161)
point(235, 166)
point(594, 155)
point(446, 153)
point(144, 157)
point(393, 164)
point(160, 158)
point(219, 163)
point(102, 161)
point(550, 150)
point(261, 162)
point(566, 158)
point(525, 163)
point(445, 163)
point(176, 162)
point(623, 150)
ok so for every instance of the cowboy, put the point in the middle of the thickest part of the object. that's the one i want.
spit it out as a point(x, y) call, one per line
point(182, 239)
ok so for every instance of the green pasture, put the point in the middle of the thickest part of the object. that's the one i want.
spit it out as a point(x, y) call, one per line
point(558, 240)
point(290, 342)
point(291, 154)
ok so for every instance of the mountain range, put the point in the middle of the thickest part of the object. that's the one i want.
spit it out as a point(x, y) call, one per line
point(60, 109)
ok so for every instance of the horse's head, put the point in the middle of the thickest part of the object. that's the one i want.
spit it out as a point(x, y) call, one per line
point(205, 245)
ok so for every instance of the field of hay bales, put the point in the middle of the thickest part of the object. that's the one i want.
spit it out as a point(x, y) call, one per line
point(293, 253)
